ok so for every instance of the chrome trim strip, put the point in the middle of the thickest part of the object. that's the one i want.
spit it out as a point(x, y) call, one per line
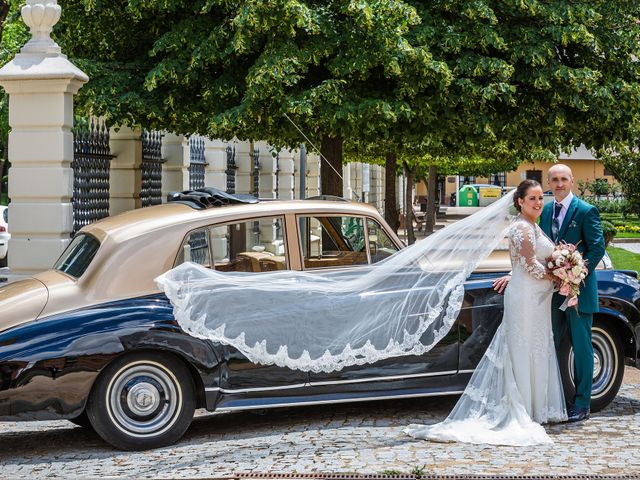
point(256, 389)
point(467, 371)
point(346, 400)
point(380, 379)
point(335, 382)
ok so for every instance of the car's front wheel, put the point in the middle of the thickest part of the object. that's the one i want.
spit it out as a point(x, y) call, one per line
point(608, 365)
point(142, 400)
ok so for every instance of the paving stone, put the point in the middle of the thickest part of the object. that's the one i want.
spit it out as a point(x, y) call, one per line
point(364, 438)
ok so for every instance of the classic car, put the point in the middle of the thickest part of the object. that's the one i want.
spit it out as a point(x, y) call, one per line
point(94, 341)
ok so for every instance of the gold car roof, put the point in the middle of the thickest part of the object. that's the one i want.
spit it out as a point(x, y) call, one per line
point(145, 220)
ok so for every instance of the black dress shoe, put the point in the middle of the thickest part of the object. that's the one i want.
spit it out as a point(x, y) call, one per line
point(577, 414)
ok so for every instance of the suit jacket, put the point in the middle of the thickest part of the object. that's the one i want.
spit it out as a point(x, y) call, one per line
point(581, 226)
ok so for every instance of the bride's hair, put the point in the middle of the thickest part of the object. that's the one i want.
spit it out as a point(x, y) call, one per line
point(522, 189)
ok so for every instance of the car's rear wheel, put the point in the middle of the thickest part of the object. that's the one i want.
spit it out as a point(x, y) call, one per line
point(608, 365)
point(142, 400)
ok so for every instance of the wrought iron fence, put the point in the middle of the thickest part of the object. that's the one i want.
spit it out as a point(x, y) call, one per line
point(231, 169)
point(151, 188)
point(197, 163)
point(91, 165)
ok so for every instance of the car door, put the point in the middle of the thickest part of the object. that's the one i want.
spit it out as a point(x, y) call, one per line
point(347, 242)
point(255, 245)
point(478, 320)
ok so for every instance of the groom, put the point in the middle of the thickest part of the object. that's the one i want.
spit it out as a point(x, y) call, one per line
point(571, 220)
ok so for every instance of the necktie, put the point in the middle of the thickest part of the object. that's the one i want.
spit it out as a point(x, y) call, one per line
point(555, 224)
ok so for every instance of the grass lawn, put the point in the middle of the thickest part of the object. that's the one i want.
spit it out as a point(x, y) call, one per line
point(623, 259)
point(627, 235)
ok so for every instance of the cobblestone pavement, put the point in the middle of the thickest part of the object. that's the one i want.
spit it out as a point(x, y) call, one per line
point(351, 438)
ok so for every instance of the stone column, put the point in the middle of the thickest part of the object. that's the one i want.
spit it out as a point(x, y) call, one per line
point(347, 191)
point(41, 83)
point(267, 182)
point(175, 171)
point(244, 162)
point(313, 174)
point(125, 178)
point(216, 155)
point(286, 180)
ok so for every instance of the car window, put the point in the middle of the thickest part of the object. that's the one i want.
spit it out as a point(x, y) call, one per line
point(77, 256)
point(256, 245)
point(332, 241)
point(195, 248)
point(380, 244)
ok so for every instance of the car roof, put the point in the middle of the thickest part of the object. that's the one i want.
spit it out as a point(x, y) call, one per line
point(145, 220)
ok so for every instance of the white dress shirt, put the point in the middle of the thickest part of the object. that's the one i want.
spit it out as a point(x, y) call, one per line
point(565, 207)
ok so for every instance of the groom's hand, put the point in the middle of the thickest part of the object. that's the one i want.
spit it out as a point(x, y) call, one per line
point(499, 284)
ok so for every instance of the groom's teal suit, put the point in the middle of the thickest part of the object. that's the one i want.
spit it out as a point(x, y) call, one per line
point(581, 224)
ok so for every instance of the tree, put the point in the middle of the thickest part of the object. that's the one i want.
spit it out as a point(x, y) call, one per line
point(624, 163)
point(339, 70)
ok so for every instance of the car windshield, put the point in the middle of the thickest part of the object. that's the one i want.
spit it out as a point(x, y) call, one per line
point(78, 255)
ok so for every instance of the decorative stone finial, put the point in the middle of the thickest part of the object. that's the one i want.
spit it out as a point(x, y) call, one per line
point(40, 16)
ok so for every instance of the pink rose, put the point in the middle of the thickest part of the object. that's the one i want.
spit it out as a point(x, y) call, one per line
point(560, 273)
point(565, 289)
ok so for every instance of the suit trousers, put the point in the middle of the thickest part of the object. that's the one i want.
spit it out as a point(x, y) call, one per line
point(578, 325)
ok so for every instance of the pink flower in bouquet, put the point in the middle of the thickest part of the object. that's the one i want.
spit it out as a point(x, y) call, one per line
point(565, 289)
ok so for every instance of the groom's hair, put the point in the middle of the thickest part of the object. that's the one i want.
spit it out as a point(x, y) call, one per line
point(522, 189)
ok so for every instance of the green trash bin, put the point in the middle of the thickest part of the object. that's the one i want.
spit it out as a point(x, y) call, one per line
point(468, 196)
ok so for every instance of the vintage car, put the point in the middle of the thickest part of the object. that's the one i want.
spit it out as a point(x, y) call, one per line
point(94, 341)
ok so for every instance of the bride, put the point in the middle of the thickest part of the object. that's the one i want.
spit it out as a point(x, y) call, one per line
point(517, 383)
point(404, 305)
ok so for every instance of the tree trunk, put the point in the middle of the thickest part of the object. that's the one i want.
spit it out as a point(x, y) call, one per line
point(430, 214)
point(390, 205)
point(330, 181)
point(408, 200)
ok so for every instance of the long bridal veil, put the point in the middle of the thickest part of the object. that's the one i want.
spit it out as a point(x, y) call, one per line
point(327, 320)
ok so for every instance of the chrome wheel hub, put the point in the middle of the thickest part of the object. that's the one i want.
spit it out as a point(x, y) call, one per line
point(144, 399)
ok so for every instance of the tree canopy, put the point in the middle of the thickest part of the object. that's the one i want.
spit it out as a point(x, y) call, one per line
point(454, 80)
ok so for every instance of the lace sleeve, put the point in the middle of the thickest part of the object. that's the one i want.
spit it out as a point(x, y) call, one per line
point(523, 249)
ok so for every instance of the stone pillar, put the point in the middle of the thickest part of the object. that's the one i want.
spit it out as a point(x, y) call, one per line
point(41, 83)
point(267, 182)
point(400, 192)
point(313, 174)
point(216, 155)
point(376, 195)
point(286, 180)
point(356, 181)
point(244, 162)
point(347, 191)
point(125, 178)
point(175, 171)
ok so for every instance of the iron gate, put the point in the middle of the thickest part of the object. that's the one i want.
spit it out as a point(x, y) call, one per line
point(197, 163)
point(151, 169)
point(91, 165)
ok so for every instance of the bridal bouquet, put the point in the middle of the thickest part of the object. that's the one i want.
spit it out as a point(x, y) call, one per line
point(570, 269)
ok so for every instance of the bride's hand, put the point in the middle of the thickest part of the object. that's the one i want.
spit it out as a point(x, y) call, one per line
point(499, 284)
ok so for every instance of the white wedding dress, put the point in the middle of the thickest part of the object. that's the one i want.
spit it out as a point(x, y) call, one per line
point(516, 386)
